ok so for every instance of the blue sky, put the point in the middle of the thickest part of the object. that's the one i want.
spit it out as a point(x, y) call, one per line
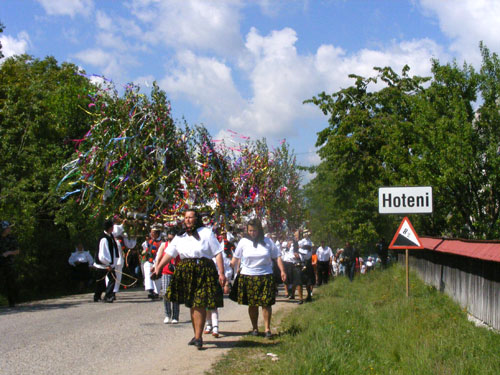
point(248, 65)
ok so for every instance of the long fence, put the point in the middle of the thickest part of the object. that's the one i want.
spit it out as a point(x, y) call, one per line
point(473, 283)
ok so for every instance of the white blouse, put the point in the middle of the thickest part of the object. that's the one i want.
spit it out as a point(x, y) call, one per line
point(256, 261)
point(324, 254)
point(304, 253)
point(187, 246)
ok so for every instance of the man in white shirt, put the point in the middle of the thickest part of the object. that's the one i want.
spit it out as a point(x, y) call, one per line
point(105, 263)
point(325, 255)
point(81, 261)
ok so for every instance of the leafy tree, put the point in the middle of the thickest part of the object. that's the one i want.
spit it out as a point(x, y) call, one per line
point(401, 130)
point(40, 112)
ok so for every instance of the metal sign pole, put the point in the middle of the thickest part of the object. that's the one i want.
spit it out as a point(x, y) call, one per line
point(407, 273)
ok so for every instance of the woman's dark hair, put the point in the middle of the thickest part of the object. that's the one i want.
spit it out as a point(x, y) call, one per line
point(260, 231)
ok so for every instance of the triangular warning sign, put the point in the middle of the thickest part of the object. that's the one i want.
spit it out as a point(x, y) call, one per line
point(405, 237)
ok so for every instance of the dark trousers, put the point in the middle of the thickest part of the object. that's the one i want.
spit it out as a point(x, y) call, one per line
point(100, 285)
point(350, 268)
point(323, 268)
point(8, 283)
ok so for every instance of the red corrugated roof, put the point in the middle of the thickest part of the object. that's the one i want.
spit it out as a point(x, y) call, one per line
point(485, 250)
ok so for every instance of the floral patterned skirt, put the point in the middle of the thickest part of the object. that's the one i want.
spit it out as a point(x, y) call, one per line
point(195, 283)
point(254, 290)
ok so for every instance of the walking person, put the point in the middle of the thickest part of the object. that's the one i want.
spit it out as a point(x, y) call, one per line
point(171, 308)
point(325, 256)
point(308, 277)
point(124, 243)
point(256, 286)
point(81, 261)
point(349, 260)
point(196, 282)
point(105, 263)
point(150, 249)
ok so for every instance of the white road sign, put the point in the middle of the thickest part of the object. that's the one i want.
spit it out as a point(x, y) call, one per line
point(405, 200)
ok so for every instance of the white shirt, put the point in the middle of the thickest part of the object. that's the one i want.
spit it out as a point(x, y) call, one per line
point(187, 246)
point(80, 257)
point(287, 255)
point(104, 254)
point(324, 254)
point(304, 253)
point(256, 261)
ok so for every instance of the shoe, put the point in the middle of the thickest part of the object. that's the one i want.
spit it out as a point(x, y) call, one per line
point(198, 343)
point(166, 320)
point(254, 332)
point(208, 329)
point(309, 299)
point(268, 335)
point(215, 332)
point(290, 297)
point(154, 296)
point(300, 302)
point(191, 342)
point(97, 299)
point(108, 299)
point(175, 321)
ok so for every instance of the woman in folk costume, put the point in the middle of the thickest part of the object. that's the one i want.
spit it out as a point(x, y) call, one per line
point(256, 285)
point(196, 282)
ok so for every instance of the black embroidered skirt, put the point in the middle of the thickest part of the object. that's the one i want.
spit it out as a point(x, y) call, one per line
point(254, 290)
point(195, 283)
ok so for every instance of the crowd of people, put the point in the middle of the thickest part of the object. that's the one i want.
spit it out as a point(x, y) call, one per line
point(194, 264)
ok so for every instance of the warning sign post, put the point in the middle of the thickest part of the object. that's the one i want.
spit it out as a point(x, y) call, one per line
point(406, 238)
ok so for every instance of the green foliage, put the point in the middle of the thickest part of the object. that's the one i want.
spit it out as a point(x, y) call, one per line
point(441, 131)
point(40, 112)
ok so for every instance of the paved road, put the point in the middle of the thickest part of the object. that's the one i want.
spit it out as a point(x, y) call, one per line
point(73, 335)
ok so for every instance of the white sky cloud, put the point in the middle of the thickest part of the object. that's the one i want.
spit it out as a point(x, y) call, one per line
point(191, 24)
point(467, 22)
point(67, 7)
point(281, 79)
point(14, 45)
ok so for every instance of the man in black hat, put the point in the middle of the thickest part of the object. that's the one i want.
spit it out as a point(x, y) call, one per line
point(8, 250)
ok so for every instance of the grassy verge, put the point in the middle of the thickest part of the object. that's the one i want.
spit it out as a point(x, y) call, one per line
point(371, 327)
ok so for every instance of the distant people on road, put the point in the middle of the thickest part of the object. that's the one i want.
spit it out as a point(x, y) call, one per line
point(105, 263)
point(349, 260)
point(81, 263)
point(382, 252)
point(9, 250)
point(196, 282)
point(325, 257)
point(255, 286)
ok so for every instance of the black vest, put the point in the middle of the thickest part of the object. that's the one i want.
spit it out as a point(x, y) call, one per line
point(113, 249)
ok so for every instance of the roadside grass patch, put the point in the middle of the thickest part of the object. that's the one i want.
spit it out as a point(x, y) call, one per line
point(369, 326)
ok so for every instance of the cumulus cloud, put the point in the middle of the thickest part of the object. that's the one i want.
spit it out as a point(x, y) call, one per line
point(280, 79)
point(467, 22)
point(67, 7)
point(191, 24)
point(14, 45)
point(109, 64)
point(205, 81)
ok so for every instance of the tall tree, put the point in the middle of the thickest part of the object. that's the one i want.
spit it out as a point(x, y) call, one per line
point(411, 131)
point(40, 110)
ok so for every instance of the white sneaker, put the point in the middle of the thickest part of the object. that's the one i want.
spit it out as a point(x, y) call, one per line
point(166, 320)
point(175, 321)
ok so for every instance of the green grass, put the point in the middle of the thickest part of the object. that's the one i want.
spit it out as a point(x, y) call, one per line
point(371, 327)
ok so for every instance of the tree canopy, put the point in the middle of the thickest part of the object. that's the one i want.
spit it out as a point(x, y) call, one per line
point(402, 130)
